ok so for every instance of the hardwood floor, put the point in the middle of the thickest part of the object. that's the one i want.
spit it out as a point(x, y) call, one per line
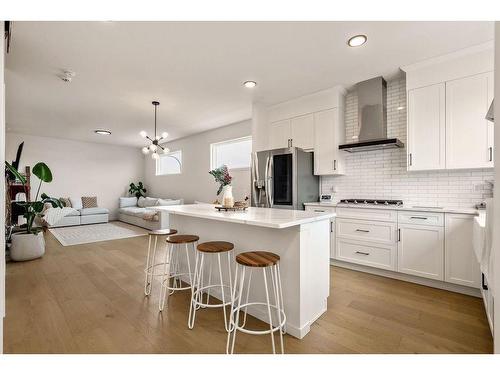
point(89, 299)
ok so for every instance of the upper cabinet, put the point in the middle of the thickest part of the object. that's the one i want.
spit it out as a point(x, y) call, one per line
point(426, 128)
point(469, 142)
point(328, 134)
point(448, 98)
point(314, 123)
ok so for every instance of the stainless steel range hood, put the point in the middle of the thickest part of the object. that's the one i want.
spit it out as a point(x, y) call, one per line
point(372, 118)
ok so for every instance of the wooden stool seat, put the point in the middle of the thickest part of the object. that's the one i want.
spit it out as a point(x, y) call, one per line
point(215, 247)
point(182, 238)
point(162, 232)
point(257, 259)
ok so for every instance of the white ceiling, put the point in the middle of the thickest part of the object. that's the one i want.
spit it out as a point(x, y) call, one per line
point(196, 69)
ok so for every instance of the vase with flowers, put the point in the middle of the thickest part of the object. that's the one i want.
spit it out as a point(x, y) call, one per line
point(223, 178)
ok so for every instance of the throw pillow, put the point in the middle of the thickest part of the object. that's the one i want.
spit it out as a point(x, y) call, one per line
point(89, 202)
point(128, 202)
point(66, 202)
point(163, 202)
point(76, 203)
point(141, 202)
point(150, 202)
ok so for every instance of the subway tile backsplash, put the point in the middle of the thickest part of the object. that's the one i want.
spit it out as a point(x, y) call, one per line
point(382, 174)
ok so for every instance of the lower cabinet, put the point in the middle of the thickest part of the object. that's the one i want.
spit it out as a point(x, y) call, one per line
point(461, 265)
point(421, 251)
point(367, 253)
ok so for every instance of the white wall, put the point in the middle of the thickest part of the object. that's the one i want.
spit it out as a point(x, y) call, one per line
point(80, 168)
point(382, 174)
point(194, 183)
point(496, 232)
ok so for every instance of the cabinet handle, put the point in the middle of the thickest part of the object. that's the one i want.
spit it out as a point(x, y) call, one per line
point(490, 150)
point(410, 159)
point(362, 253)
point(335, 165)
point(399, 234)
point(319, 210)
point(291, 142)
point(362, 230)
point(331, 226)
point(418, 217)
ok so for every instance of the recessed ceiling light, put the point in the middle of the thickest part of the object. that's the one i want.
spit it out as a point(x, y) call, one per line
point(249, 84)
point(357, 40)
point(102, 132)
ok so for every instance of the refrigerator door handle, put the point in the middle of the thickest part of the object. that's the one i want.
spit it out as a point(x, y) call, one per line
point(271, 185)
point(255, 178)
point(266, 181)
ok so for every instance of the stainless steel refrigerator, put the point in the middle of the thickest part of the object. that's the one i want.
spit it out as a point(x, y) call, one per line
point(283, 178)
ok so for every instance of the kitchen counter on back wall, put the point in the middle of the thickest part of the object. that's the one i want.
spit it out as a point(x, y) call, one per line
point(455, 210)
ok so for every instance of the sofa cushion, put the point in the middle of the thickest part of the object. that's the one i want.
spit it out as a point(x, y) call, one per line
point(170, 202)
point(128, 202)
point(66, 202)
point(89, 202)
point(74, 213)
point(133, 211)
point(93, 211)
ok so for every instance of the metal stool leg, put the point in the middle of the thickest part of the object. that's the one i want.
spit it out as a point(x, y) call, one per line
point(166, 273)
point(195, 286)
point(237, 312)
point(226, 325)
point(269, 309)
point(279, 306)
point(148, 279)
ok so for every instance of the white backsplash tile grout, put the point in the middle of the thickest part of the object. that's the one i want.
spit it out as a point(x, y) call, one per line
point(382, 174)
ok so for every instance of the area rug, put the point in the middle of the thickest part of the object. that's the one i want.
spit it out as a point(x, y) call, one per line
point(82, 234)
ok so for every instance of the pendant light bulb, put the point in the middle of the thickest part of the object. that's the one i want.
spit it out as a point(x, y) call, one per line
point(145, 150)
point(155, 156)
point(143, 134)
point(164, 135)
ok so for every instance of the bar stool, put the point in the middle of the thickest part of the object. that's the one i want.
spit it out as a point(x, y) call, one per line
point(150, 259)
point(211, 249)
point(269, 263)
point(174, 272)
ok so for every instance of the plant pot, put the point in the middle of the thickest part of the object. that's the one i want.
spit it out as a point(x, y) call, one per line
point(227, 196)
point(27, 246)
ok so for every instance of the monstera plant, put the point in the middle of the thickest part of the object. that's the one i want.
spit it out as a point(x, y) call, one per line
point(30, 244)
point(137, 190)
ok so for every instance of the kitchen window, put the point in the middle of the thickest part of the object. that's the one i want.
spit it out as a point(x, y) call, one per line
point(235, 153)
point(169, 163)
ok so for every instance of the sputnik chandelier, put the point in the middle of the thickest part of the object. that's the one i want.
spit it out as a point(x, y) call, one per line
point(154, 146)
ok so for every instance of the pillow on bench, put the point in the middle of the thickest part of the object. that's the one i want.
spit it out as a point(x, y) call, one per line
point(128, 202)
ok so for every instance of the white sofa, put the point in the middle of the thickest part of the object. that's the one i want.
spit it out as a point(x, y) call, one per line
point(134, 211)
point(81, 216)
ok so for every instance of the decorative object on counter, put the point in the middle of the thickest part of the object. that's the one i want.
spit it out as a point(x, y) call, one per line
point(31, 244)
point(243, 203)
point(234, 208)
point(221, 176)
point(137, 190)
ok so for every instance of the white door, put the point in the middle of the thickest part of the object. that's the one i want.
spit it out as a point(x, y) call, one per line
point(421, 251)
point(460, 264)
point(280, 134)
point(426, 128)
point(467, 131)
point(303, 132)
point(325, 144)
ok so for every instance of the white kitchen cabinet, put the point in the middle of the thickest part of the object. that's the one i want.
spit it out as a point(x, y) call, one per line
point(302, 131)
point(319, 208)
point(461, 266)
point(279, 135)
point(469, 142)
point(329, 132)
point(426, 128)
point(421, 250)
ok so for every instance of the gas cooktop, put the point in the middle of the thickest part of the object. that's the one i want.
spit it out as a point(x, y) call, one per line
point(386, 202)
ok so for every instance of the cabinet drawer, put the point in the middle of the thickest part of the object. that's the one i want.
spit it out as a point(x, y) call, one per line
point(380, 232)
point(367, 214)
point(421, 218)
point(368, 254)
point(320, 209)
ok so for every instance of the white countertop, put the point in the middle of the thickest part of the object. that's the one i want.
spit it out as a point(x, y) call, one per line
point(263, 217)
point(457, 210)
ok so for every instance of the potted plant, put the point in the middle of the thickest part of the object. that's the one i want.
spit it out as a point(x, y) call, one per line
point(30, 244)
point(222, 176)
point(137, 190)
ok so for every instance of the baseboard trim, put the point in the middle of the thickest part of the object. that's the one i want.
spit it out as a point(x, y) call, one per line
point(409, 278)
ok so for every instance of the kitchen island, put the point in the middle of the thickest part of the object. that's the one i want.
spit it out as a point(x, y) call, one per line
point(300, 238)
